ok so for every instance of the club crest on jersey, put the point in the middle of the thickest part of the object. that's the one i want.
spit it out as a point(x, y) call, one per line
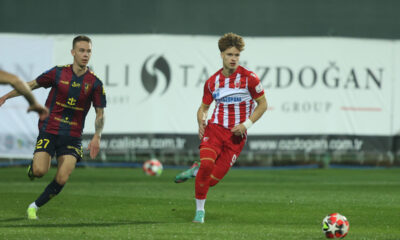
point(87, 87)
point(205, 139)
point(237, 83)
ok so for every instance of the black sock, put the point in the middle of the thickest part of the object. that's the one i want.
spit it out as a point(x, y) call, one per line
point(51, 191)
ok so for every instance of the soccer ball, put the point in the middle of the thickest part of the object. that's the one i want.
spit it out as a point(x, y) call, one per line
point(335, 226)
point(152, 167)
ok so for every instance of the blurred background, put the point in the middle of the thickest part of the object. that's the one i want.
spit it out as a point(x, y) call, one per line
point(329, 69)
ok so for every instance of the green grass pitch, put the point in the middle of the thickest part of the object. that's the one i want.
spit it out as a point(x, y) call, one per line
point(116, 203)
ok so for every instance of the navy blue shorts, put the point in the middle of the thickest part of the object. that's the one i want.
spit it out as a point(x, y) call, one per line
point(59, 145)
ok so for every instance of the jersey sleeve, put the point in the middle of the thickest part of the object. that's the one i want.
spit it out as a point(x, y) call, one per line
point(47, 79)
point(255, 86)
point(207, 95)
point(99, 95)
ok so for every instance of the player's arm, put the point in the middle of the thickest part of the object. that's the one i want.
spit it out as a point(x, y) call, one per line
point(201, 118)
point(260, 109)
point(22, 88)
point(94, 145)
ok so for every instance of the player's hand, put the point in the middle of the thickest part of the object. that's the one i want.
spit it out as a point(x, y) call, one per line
point(2, 100)
point(94, 146)
point(41, 110)
point(202, 127)
point(239, 130)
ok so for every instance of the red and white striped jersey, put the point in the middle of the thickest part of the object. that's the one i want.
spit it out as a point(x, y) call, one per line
point(234, 96)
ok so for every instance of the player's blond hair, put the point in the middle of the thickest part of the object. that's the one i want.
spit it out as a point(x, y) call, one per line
point(230, 40)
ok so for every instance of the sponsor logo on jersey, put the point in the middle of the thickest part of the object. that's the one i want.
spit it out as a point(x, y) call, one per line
point(71, 101)
point(231, 99)
point(75, 84)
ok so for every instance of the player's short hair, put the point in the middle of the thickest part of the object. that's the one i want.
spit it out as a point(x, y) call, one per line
point(230, 40)
point(80, 38)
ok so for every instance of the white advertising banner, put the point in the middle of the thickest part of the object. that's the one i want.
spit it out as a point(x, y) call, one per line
point(27, 56)
point(154, 83)
point(396, 90)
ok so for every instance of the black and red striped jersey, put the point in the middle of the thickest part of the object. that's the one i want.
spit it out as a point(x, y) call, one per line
point(69, 99)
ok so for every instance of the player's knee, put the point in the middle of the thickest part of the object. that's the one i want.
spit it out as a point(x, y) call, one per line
point(207, 166)
point(39, 171)
point(62, 178)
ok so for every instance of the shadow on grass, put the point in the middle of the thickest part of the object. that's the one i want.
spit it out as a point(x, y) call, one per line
point(70, 225)
point(12, 219)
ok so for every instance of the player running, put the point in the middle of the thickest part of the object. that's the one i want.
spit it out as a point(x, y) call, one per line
point(235, 91)
point(23, 89)
point(73, 89)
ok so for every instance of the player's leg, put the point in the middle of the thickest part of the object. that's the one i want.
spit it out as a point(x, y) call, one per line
point(187, 174)
point(69, 151)
point(225, 161)
point(233, 146)
point(39, 167)
point(44, 151)
point(66, 164)
point(208, 156)
point(210, 139)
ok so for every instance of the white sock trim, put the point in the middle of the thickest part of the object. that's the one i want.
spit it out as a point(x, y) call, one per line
point(33, 205)
point(200, 204)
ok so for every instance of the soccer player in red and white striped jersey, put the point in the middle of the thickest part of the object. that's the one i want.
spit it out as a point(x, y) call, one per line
point(239, 102)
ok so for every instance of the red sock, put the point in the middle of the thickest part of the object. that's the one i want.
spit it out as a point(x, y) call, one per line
point(207, 159)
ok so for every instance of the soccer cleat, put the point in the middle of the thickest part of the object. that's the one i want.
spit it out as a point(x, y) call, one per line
point(30, 172)
point(199, 218)
point(187, 174)
point(31, 212)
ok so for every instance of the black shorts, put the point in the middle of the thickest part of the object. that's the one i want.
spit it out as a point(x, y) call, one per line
point(59, 145)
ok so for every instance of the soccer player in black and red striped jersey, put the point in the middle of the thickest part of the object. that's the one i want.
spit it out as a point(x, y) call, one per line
point(73, 89)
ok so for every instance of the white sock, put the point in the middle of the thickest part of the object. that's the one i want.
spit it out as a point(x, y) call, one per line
point(195, 172)
point(200, 204)
point(33, 205)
